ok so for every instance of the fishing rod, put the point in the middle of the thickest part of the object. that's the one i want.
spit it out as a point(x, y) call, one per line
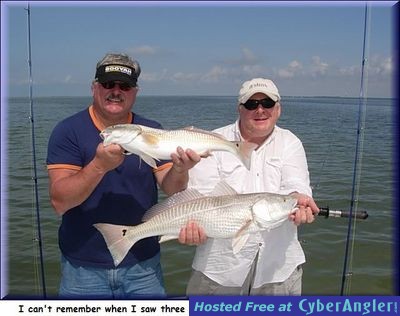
point(327, 212)
point(34, 178)
point(359, 150)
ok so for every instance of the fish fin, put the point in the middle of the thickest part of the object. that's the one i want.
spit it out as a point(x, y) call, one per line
point(148, 159)
point(117, 242)
point(203, 131)
point(245, 150)
point(238, 242)
point(223, 188)
point(178, 198)
point(243, 228)
point(167, 238)
point(206, 154)
point(240, 238)
point(150, 139)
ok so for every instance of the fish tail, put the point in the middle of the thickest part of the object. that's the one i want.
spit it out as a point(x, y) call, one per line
point(116, 239)
point(244, 150)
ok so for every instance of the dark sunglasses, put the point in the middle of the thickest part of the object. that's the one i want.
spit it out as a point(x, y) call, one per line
point(122, 85)
point(266, 103)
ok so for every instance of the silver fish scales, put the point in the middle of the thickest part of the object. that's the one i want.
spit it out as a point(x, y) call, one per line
point(226, 214)
point(154, 144)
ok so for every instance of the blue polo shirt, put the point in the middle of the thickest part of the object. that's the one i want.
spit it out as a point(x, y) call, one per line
point(122, 196)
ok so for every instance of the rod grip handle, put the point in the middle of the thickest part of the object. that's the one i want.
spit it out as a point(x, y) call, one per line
point(327, 212)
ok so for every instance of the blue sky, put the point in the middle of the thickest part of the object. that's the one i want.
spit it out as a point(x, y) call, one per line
point(199, 48)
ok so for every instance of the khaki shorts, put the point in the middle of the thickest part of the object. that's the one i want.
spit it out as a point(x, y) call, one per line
point(200, 284)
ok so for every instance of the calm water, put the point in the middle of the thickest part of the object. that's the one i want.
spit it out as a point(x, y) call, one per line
point(327, 127)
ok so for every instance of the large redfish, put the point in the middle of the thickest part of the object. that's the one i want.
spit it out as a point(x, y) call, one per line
point(226, 215)
point(151, 143)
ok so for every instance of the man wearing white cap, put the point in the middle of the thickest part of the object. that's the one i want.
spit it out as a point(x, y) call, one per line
point(270, 262)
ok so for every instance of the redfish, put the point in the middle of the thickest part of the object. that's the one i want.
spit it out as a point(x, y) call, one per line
point(157, 144)
point(225, 214)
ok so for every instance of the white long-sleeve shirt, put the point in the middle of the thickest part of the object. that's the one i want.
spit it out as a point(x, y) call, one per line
point(279, 165)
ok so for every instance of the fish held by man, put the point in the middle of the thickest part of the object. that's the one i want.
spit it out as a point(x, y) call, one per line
point(223, 214)
point(156, 144)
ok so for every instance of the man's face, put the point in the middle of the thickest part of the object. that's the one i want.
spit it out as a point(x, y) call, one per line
point(260, 122)
point(113, 99)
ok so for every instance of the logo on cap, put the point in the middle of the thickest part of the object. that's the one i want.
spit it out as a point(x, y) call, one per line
point(117, 68)
point(258, 84)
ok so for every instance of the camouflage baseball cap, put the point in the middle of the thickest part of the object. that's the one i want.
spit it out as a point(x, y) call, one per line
point(118, 67)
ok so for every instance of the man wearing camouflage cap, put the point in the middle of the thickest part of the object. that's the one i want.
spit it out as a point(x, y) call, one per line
point(90, 183)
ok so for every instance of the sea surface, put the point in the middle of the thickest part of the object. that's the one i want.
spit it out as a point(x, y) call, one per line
point(326, 125)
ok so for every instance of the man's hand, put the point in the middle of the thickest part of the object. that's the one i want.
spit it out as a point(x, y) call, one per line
point(307, 209)
point(184, 160)
point(192, 234)
point(108, 157)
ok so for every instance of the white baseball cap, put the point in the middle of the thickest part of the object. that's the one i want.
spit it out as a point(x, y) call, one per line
point(258, 85)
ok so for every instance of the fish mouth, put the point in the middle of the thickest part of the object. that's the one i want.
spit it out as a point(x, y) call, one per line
point(103, 135)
